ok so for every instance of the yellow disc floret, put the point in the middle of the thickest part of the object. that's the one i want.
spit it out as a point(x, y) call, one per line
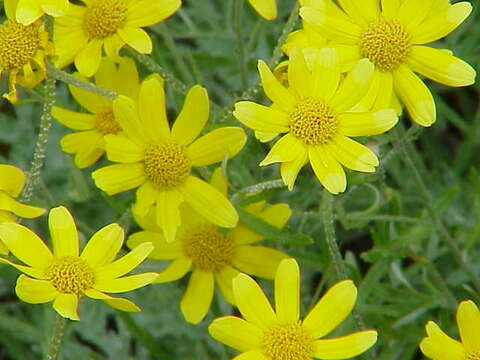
point(18, 44)
point(70, 275)
point(313, 122)
point(287, 342)
point(105, 122)
point(385, 43)
point(474, 355)
point(208, 249)
point(166, 165)
point(104, 17)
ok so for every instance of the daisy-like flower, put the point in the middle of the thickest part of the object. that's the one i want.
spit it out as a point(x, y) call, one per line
point(22, 53)
point(439, 346)
point(215, 256)
point(12, 181)
point(88, 143)
point(265, 8)
point(314, 113)
point(265, 334)
point(158, 160)
point(29, 11)
point(65, 276)
point(81, 34)
point(392, 34)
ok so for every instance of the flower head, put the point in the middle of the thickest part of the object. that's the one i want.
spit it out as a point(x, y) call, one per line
point(315, 113)
point(159, 161)
point(65, 276)
point(438, 345)
point(108, 24)
point(12, 181)
point(22, 52)
point(265, 334)
point(88, 143)
point(392, 34)
point(265, 8)
point(214, 256)
point(28, 11)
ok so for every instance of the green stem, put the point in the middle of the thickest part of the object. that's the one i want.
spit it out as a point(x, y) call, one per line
point(272, 184)
point(437, 220)
point(237, 28)
point(82, 84)
point(40, 151)
point(57, 338)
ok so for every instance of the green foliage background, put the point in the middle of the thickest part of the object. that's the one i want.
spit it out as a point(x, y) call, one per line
point(393, 235)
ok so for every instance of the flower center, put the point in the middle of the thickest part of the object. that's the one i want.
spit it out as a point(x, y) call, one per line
point(208, 249)
point(313, 122)
point(287, 342)
point(474, 355)
point(104, 17)
point(105, 122)
point(70, 275)
point(166, 165)
point(18, 44)
point(385, 43)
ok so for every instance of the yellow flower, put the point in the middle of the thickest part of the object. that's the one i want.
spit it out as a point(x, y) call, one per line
point(265, 8)
point(266, 334)
point(88, 144)
point(80, 35)
point(314, 113)
point(391, 34)
point(439, 346)
point(12, 181)
point(159, 160)
point(22, 52)
point(29, 11)
point(214, 255)
point(64, 277)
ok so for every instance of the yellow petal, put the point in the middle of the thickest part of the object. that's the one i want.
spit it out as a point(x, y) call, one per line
point(439, 345)
point(468, 319)
point(209, 202)
point(219, 182)
point(224, 280)
point(327, 169)
point(412, 13)
point(379, 93)
point(81, 141)
point(168, 213)
point(25, 245)
point(326, 74)
point(126, 283)
point(103, 246)
point(66, 305)
point(114, 302)
point(287, 291)
point(251, 355)
point(68, 42)
point(415, 95)
point(89, 100)
point(241, 235)
point(299, 76)
point(26, 211)
point(125, 264)
point(123, 150)
point(175, 270)
point(252, 302)
point(28, 11)
point(290, 170)
point(331, 310)
point(193, 117)
point(10, 7)
point(55, 8)
point(353, 155)
point(146, 12)
point(287, 149)
point(88, 59)
point(74, 120)
point(367, 12)
point(35, 291)
point(236, 333)
point(137, 38)
point(390, 8)
point(258, 260)
point(265, 8)
point(162, 250)
point(441, 66)
point(12, 179)
point(261, 118)
point(367, 123)
point(63, 232)
point(198, 296)
point(441, 23)
point(274, 89)
point(143, 210)
point(126, 114)
point(217, 145)
point(118, 178)
point(345, 347)
point(38, 273)
point(126, 81)
point(276, 215)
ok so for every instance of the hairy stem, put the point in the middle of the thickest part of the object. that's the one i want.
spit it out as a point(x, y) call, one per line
point(57, 338)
